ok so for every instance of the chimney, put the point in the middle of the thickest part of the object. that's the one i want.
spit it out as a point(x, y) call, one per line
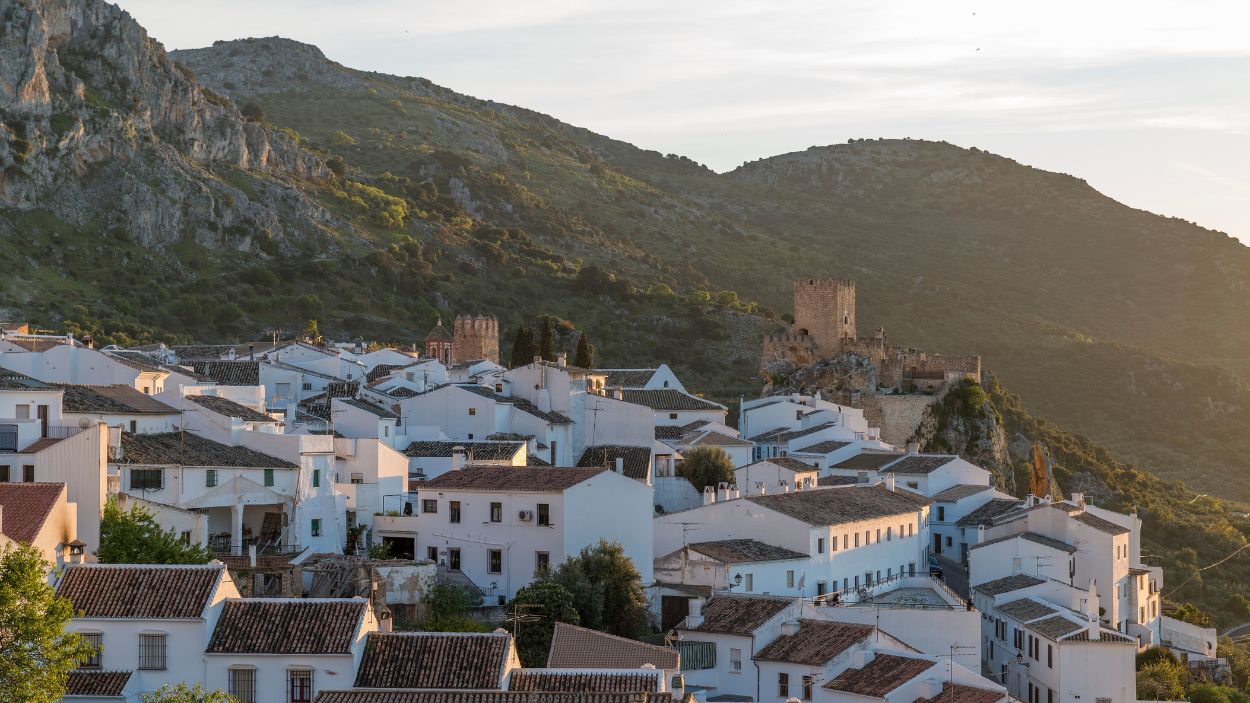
point(538, 360)
point(360, 345)
point(889, 482)
point(695, 617)
point(789, 628)
point(1079, 499)
point(251, 555)
point(861, 477)
point(562, 359)
point(230, 354)
point(619, 394)
point(89, 341)
point(761, 488)
point(709, 495)
point(77, 552)
point(1095, 632)
point(457, 457)
point(620, 465)
point(251, 352)
point(384, 619)
point(930, 688)
point(913, 448)
point(722, 491)
point(734, 493)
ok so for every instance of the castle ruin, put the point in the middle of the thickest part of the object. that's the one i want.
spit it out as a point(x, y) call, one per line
point(472, 337)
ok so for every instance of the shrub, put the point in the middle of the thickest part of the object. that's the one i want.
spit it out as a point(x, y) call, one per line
point(253, 112)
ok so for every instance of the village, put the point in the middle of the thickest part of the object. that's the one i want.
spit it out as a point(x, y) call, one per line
point(338, 486)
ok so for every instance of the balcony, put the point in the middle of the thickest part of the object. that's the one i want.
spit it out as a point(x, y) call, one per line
point(395, 524)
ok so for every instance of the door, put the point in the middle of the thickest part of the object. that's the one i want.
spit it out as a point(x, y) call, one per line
point(937, 544)
point(43, 420)
point(673, 610)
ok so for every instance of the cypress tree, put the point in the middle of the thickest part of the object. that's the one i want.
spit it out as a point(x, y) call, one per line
point(585, 355)
point(522, 347)
point(547, 345)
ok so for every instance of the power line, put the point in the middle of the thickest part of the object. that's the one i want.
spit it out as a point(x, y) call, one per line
point(1239, 550)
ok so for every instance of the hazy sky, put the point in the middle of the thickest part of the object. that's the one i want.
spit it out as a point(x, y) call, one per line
point(1149, 101)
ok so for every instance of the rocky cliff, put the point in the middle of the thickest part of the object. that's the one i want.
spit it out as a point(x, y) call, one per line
point(102, 129)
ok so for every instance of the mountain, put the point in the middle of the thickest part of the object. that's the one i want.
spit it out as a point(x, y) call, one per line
point(142, 204)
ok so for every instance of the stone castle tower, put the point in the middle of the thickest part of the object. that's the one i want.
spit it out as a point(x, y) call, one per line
point(475, 337)
point(824, 309)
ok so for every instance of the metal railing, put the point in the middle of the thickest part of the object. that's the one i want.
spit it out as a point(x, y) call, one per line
point(866, 594)
point(224, 548)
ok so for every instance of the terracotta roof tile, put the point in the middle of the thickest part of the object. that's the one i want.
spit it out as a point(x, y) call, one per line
point(279, 626)
point(583, 681)
point(1100, 524)
point(1026, 609)
point(433, 660)
point(785, 462)
point(959, 693)
point(511, 478)
point(987, 513)
point(959, 492)
point(739, 551)
point(883, 674)
point(637, 460)
point(140, 592)
point(784, 434)
point(118, 398)
point(919, 464)
point(816, 642)
point(369, 408)
point(14, 381)
point(229, 408)
point(229, 373)
point(627, 378)
point(27, 507)
point(359, 696)
point(668, 399)
point(831, 445)
point(1007, 584)
point(481, 451)
point(574, 647)
point(837, 507)
point(97, 683)
point(1055, 627)
point(739, 615)
point(187, 449)
point(868, 460)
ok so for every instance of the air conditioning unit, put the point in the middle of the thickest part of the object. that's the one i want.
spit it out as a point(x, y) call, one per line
point(525, 515)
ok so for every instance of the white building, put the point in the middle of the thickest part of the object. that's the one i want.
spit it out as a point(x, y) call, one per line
point(776, 475)
point(118, 406)
point(500, 525)
point(674, 407)
point(641, 379)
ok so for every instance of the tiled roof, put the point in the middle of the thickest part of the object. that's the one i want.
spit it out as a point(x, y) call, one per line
point(96, 683)
point(829, 445)
point(511, 478)
point(1104, 635)
point(816, 642)
point(153, 592)
point(783, 435)
point(137, 360)
point(522, 404)
point(230, 373)
point(26, 508)
point(36, 344)
point(358, 696)
point(784, 462)
point(636, 465)
point(187, 449)
point(710, 438)
point(229, 408)
point(583, 681)
point(438, 333)
point(574, 647)
point(433, 660)
point(668, 399)
point(1032, 537)
point(837, 507)
point(627, 378)
point(482, 451)
point(663, 432)
point(1100, 524)
point(919, 464)
point(1026, 609)
point(987, 513)
point(40, 444)
point(118, 398)
point(14, 381)
point(740, 551)
point(1055, 627)
point(959, 693)
point(1007, 584)
point(954, 493)
point(883, 674)
point(832, 480)
point(739, 615)
point(369, 408)
point(280, 626)
point(199, 352)
point(401, 392)
point(868, 460)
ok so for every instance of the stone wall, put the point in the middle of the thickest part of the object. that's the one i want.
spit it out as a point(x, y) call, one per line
point(824, 309)
point(898, 416)
point(476, 337)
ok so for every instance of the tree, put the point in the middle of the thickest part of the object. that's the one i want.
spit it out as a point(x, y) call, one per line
point(182, 693)
point(341, 138)
point(252, 112)
point(707, 466)
point(134, 537)
point(585, 355)
point(1204, 692)
point(36, 654)
point(312, 332)
point(1160, 681)
point(448, 609)
point(1153, 655)
point(523, 351)
point(606, 588)
point(547, 344)
point(337, 166)
point(550, 603)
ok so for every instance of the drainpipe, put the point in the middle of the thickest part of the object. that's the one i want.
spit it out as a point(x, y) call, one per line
point(757, 667)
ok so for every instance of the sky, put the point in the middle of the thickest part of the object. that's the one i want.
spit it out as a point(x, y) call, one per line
point(1148, 101)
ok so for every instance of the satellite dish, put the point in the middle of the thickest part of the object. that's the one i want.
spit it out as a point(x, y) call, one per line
point(84, 423)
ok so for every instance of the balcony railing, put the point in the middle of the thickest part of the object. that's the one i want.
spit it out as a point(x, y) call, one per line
point(222, 547)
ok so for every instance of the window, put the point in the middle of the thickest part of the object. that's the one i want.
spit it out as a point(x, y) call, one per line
point(269, 477)
point(833, 543)
point(96, 641)
point(453, 558)
point(672, 416)
point(820, 587)
point(429, 505)
point(210, 478)
point(948, 541)
point(844, 540)
point(307, 386)
point(316, 478)
point(134, 426)
point(820, 545)
point(911, 568)
point(748, 582)
point(1050, 695)
point(867, 534)
point(282, 391)
point(23, 412)
point(735, 660)
point(790, 579)
point(783, 685)
point(431, 553)
point(472, 411)
point(357, 478)
point(856, 539)
point(941, 512)
point(542, 562)
point(453, 511)
point(4, 473)
point(544, 514)
point(496, 562)
point(878, 535)
point(301, 685)
point(186, 537)
point(243, 685)
point(28, 473)
point(146, 479)
point(807, 688)
point(889, 534)
point(152, 651)
point(8, 438)
point(911, 529)
point(1050, 656)
point(316, 527)
point(496, 512)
